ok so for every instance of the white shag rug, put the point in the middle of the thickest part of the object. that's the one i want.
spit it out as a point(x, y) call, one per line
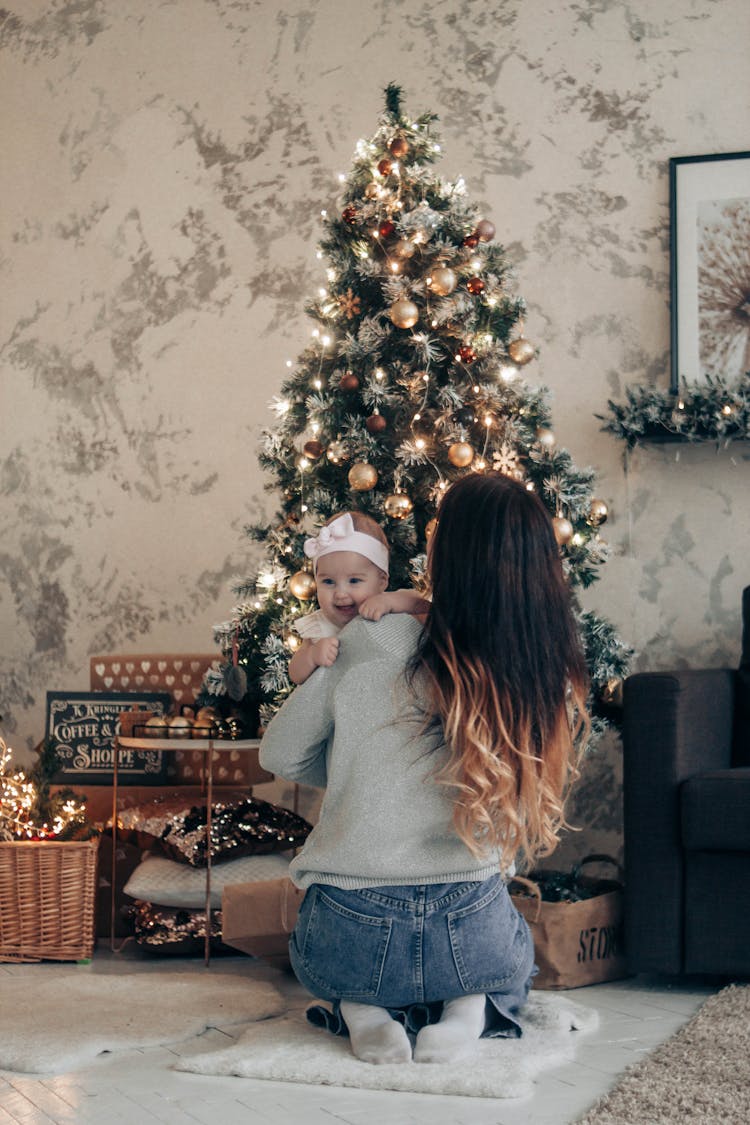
point(291, 1050)
point(52, 1023)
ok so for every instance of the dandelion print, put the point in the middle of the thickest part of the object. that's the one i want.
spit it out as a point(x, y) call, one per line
point(724, 287)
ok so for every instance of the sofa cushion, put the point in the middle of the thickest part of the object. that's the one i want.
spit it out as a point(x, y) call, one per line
point(716, 811)
point(741, 744)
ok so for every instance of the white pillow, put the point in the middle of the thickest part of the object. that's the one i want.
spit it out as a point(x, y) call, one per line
point(164, 882)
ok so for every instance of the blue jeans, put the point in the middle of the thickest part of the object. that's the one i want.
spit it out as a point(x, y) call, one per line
point(411, 948)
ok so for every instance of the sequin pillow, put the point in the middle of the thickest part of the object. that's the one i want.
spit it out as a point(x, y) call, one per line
point(246, 826)
point(174, 931)
point(163, 882)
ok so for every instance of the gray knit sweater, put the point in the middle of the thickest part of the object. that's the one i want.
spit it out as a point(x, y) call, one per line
point(355, 729)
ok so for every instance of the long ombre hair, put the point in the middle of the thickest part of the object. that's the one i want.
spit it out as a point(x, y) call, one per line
point(504, 668)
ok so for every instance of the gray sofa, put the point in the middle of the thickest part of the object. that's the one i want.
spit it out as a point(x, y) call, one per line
point(686, 744)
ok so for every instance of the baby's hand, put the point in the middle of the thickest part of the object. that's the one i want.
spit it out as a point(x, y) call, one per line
point(325, 651)
point(375, 607)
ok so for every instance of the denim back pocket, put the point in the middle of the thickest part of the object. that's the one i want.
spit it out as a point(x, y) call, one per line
point(342, 949)
point(489, 939)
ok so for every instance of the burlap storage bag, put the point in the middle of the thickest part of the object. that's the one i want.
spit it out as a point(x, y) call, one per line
point(575, 942)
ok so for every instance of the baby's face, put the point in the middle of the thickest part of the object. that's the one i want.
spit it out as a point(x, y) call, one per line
point(344, 579)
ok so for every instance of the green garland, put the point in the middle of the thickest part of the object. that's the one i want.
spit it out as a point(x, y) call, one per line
point(711, 411)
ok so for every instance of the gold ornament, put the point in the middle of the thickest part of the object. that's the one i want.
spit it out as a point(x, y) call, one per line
point(156, 727)
point(598, 512)
point(430, 528)
point(398, 506)
point(521, 351)
point(485, 230)
point(363, 476)
point(443, 281)
point(302, 585)
point(312, 449)
point(545, 437)
point(460, 454)
point(403, 313)
point(180, 726)
point(398, 147)
point(371, 191)
point(563, 530)
point(336, 452)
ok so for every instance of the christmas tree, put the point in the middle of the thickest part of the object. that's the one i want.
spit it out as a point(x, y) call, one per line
point(413, 377)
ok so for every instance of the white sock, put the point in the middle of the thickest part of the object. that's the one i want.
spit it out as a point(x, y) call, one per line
point(455, 1036)
point(375, 1036)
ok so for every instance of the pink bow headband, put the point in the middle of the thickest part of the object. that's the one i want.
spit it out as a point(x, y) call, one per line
point(339, 535)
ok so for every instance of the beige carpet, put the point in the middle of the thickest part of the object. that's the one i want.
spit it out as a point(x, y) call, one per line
point(701, 1075)
point(54, 1020)
point(290, 1050)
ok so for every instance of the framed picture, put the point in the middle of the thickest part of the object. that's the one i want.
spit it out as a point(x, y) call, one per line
point(709, 199)
point(83, 725)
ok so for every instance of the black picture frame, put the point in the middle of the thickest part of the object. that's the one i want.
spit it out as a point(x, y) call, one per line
point(83, 724)
point(709, 206)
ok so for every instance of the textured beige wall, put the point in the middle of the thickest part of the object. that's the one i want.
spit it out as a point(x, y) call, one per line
point(163, 165)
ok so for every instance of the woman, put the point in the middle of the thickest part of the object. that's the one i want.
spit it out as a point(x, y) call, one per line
point(445, 751)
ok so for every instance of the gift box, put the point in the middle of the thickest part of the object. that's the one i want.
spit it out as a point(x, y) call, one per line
point(259, 917)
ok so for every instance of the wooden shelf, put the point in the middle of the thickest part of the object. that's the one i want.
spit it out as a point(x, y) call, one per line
point(202, 745)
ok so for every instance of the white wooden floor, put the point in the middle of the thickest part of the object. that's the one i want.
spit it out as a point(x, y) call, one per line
point(140, 1086)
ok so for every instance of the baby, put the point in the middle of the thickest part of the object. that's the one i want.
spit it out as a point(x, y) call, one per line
point(350, 563)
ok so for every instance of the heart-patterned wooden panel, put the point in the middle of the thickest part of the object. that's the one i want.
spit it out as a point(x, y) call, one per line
point(181, 674)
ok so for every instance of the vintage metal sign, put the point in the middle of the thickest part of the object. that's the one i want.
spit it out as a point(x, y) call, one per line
point(83, 726)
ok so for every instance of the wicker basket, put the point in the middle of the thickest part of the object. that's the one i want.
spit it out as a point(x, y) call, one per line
point(47, 899)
